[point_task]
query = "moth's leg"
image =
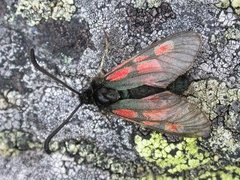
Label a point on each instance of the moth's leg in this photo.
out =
(100, 69)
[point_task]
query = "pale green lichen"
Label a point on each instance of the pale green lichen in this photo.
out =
(55, 146)
(72, 147)
(151, 176)
(187, 155)
(223, 140)
(173, 157)
(88, 153)
(36, 10)
(235, 4)
(207, 94)
(233, 33)
(223, 4)
(6, 148)
(9, 98)
(228, 172)
(13, 142)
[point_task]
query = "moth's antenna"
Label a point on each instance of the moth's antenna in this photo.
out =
(38, 67)
(55, 131)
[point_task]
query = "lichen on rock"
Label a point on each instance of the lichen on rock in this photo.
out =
(37, 10)
(235, 4)
(172, 157)
(221, 104)
(208, 94)
(12, 142)
(213, 97)
(91, 146)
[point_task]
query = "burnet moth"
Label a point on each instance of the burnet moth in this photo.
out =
(155, 67)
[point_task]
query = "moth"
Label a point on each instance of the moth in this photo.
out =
(155, 68)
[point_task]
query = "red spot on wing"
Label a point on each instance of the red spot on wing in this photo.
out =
(119, 74)
(163, 48)
(155, 115)
(149, 66)
(140, 58)
(173, 127)
(119, 66)
(127, 113)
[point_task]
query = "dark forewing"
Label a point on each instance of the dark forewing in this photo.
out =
(158, 65)
(164, 112)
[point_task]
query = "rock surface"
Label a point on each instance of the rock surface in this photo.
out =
(69, 40)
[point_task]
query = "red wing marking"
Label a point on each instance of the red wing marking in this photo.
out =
(140, 58)
(148, 67)
(119, 74)
(119, 66)
(155, 115)
(127, 113)
(173, 127)
(164, 48)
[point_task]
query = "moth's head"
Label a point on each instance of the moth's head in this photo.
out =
(86, 96)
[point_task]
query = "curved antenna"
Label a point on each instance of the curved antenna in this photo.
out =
(38, 67)
(56, 130)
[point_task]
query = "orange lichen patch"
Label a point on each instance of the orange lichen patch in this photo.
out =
(119, 74)
(127, 113)
(173, 127)
(140, 58)
(164, 48)
(149, 67)
(150, 123)
(155, 115)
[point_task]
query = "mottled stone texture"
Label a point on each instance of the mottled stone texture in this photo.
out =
(68, 37)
